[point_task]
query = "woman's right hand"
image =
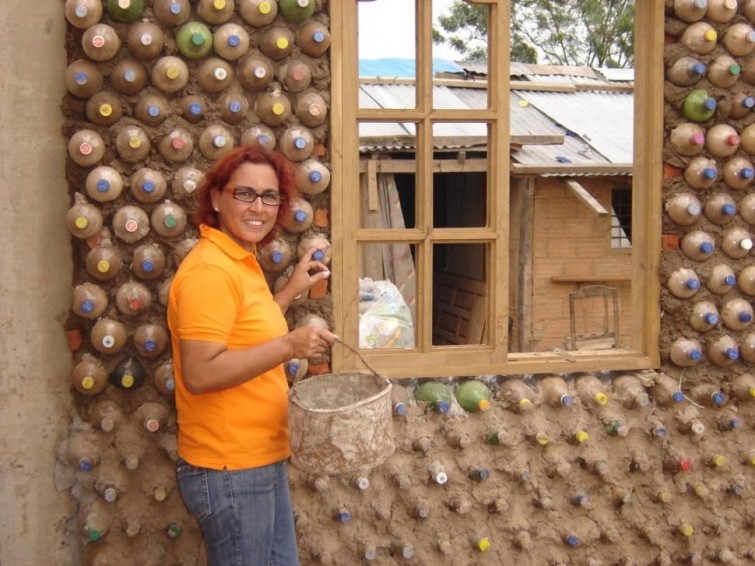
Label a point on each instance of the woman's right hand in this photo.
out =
(310, 342)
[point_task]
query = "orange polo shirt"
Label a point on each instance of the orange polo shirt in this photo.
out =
(219, 294)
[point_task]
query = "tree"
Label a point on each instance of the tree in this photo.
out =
(595, 33)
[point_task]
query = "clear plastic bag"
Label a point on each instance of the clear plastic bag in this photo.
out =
(385, 320)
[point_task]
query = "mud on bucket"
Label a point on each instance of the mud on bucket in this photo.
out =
(340, 423)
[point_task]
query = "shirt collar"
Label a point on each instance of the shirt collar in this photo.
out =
(224, 242)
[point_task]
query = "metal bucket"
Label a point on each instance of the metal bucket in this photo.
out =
(340, 423)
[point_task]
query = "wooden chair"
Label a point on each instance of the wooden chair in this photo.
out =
(605, 337)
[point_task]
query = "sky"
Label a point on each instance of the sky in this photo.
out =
(386, 29)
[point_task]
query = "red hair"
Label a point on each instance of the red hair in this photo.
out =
(223, 169)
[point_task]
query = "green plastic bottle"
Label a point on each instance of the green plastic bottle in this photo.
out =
(473, 395)
(194, 40)
(125, 11)
(698, 106)
(435, 394)
(296, 10)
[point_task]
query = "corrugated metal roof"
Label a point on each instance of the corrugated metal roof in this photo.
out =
(402, 68)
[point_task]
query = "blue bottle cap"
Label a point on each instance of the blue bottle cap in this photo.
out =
(150, 345)
(729, 209)
(699, 69)
(85, 465)
(745, 317)
(400, 409)
(80, 11)
(148, 265)
(567, 400)
(129, 76)
(734, 423)
(710, 104)
(442, 406)
(692, 283)
(175, 9)
(315, 176)
(300, 216)
(706, 248)
(344, 516)
(572, 540)
(695, 355)
(300, 143)
(524, 475)
(234, 40)
(710, 173)
(730, 280)
(153, 110)
(711, 318)
(677, 396)
(731, 354)
(483, 473)
(748, 101)
(148, 186)
(318, 36)
(87, 305)
(263, 139)
(103, 185)
(701, 4)
(170, 384)
(234, 106)
(718, 398)
(318, 255)
(195, 109)
(747, 172)
(293, 368)
(736, 489)
(660, 431)
(81, 78)
(276, 257)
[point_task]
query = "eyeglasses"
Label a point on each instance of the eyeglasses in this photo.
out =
(245, 194)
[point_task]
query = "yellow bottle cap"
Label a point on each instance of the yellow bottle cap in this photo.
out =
(664, 496)
(134, 142)
(264, 7)
(281, 43)
(161, 494)
(172, 72)
(103, 266)
(219, 4)
(541, 438)
(278, 108)
(752, 391)
(710, 35)
(106, 110)
(601, 398)
(718, 460)
(581, 436)
(483, 544)
(87, 382)
(701, 490)
(81, 222)
(752, 459)
(127, 380)
(687, 530)
(483, 405)
(524, 403)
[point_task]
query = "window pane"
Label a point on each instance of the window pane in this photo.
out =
(387, 178)
(459, 294)
(387, 295)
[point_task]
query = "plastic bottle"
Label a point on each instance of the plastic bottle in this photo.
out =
(145, 40)
(473, 395)
(698, 245)
(130, 224)
(83, 220)
(103, 184)
(747, 208)
(685, 352)
(83, 13)
(275, 255)
(261, 135)
(701, 173)
(215, 11)
(272, 108)
(94, 519)
(312, 177)
(86, 148)
(151, 415)
(151, 109)
(743, 387)
(165, 380)
(687, 139)
(722, 140)
(281, 282)
(170, 74)
(258, 13)
(313, 38)
(665, 391)
(106, 415)
(311, 109)
(168, 219)
(722, 11)
(708, 395)
(737, 313)
(100, 42)
(108, 336)
(590, 390)
(215, 74)
(294, 74)
(132, 144)
(630, 390)
(89, 301)
(128, 374)
(747, 137)
(171, 12)
(723, 351)
(296, 369)
(690, 10)
(320, 243)
(704, 316)
(148, 262)
(739, 39)
(746, 280)
(721, 279)
(741, 105)
(150, 340)
(234, 107)
(686, 71)
(297, 143)
(516, 395)
(148, 185)
(83, 78)
(215, 140)
(186, 181)
(699, 37)
(255, 72)
(435, 395)
(230, 41)
(738, 172)
(276, 42)
(128, 76)
(683, 283)
(296, 10)
(177, 146)
(125, 11)
(311, 319)
(299, 217)
(193, 107)
(88, 376)
(104, 108)
(555, 392)
(437, 472)
(736, 242)
(748, 9)
(724, 71)
(684, 208)
(103, 261)
(194, 40)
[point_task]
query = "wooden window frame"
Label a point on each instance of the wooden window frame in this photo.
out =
(426, 360)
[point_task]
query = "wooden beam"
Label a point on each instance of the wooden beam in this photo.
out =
(584, 195)
(572, 169)
(372, 188)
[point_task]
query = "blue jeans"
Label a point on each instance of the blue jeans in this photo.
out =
(246, 516)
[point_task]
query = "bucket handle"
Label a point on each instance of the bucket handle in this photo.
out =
(361, 358)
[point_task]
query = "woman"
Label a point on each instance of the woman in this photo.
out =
(230, 339)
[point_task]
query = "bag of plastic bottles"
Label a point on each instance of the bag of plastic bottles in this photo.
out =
(385, 320)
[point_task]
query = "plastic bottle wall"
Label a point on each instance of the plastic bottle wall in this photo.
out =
(657, 466)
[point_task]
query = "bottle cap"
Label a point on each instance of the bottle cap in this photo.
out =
(146, 39)
(170, 221)
(541, 438)
(484, 543)
(177, 142)
(98, 41)
(581, 436)
(149, 345)
(264, 7)
(175, 8)
(276, 257)
(110, 494)
(697, 428)
(108, 341)
(572, 540)
(706, 247)
(710, 35)
(319, 255)
(234, 106)
(710, 173)
(692, 283)
(103, 266)
(524, 404)
(151, 424)
(677, 396)
(87, 382)
(85, 148)
(106, 110)
(195, 109)
(134, 142)
(750, 37)
(729, 209)
(747, 173)
(483, 405)
(87, 305)
(315, 176)
(566, 400)
(302, 3)
(400, 409)
(440, 406)
(300, 216)
(687, 530)
(197, 39)
(148, 265)
(148, 186)
(745, 243)
(170, 384)
(127, 380)
(220, 73)
(297, 74)
(314, 109)
(729, 280)
(710, 318)
(263, 139)
(80, 11)
(600, 398)
(281, 43)
(81, 222)
(695, 355)
(219, 141)
(260, 72)
(278, 108)
(363, 482)
(699, 68)
(94, 534)
(697, 138)
(81, 78)
(745, 316)
(234, 40)
(318, 36)
(733, 139)
(129, 75)
(131, 225)
(124, 4)
(718, 460)
(160, 494)
(218, 4)
(701, 4)
(172, 72)
(710, 104)
(174, 531)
